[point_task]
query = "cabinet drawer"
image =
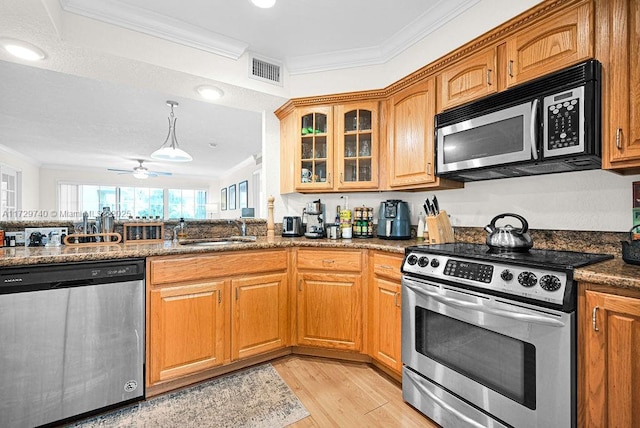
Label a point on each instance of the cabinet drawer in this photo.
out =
(387, 265)
(350, 261)
(169, 270)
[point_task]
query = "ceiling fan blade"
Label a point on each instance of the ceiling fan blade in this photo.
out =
(157, 173)
(120, 171)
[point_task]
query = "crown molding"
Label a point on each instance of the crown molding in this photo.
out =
(425, 24)
(157, 25)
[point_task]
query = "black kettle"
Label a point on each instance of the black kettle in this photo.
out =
(509, 238)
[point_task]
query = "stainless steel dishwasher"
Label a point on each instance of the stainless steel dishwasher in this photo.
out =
(71, 340)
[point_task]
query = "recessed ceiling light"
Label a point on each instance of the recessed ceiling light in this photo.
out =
(213, 145)
(265, 4)
(210, 92)
(22, 50)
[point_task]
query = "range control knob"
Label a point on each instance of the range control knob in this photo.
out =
(527, 279)
(435, 263)
(506, 275)
(550, 282)
(423, 261)
(412, 259)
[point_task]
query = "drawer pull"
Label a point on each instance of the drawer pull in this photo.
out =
(594, 318)
(326, 262)
(386, 267)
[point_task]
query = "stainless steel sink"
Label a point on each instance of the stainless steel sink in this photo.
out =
(214, 242)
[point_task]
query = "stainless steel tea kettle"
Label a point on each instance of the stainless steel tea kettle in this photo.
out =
(509, 237)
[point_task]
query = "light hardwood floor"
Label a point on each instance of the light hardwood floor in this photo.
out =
(346, 394)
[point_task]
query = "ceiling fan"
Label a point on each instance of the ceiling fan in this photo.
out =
(140, 171)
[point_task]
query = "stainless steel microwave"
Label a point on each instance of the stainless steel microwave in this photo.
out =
(549, 125)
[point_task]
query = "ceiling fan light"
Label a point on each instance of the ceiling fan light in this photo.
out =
(142, 174)
(169, 151)
(22, 50)
(265, 4)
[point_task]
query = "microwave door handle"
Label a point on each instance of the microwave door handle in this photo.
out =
(534, 128)
(483, 308)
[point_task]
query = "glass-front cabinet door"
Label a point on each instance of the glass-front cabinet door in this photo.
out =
(357, 146)
(315, 149)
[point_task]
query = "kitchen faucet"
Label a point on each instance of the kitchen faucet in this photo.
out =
(240, 224)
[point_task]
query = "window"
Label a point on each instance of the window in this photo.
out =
(10, 192)
(187, 203)
(74, 199)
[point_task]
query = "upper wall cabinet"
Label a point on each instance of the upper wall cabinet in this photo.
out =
(472, 78)
(330, 148)
(411, 140)
(619, 50)
(553, 43)
(356, 155)
(563, 39)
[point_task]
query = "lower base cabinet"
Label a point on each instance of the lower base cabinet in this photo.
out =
(259, 314)
(385, 310)
(187, 333)
(610, 366)
(212, 309)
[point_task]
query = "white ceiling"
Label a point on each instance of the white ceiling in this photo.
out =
(72, 110)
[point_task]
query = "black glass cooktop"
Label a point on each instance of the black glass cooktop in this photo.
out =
(534, 257)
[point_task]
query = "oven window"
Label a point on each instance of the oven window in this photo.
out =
(502, 363)
(493, 139)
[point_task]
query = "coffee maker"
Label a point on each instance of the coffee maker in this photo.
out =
(314, 213)
(394, 221)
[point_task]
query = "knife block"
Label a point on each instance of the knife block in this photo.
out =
(440, 230)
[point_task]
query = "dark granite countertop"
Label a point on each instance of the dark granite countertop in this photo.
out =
(614, 273)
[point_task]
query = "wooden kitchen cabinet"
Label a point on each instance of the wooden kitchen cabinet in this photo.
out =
(259, 314)
(618, 50)
(329, 298)
(467, 80)
(187, 333)
(411, 140)
(385, 326)
(211, 309)
(610, 342)
(562, 39)
(356, 154)
(330, 148)
(314, 149)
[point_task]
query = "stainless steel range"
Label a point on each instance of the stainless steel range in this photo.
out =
(489, 337)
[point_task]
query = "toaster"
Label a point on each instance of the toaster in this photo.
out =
(292, 226)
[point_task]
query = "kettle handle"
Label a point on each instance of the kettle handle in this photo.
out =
(523, 229)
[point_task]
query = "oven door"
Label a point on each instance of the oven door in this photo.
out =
(498, 138)
(512, 361)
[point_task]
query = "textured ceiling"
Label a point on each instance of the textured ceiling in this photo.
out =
(90, 106)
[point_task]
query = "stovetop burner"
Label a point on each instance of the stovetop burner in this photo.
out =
(541, 277)
(550, 259)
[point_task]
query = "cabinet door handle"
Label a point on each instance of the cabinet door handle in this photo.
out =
(594, 318)
(428, 168)
(329, 178)
(395, 299)
(219, 296)
(299, 285)
(341, 179)
(237, 293)
(619, 138)
(510, 68)
(489, 76)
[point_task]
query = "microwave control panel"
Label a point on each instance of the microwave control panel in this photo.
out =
(564, 123)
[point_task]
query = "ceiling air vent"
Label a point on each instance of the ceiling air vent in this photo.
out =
(268, 71)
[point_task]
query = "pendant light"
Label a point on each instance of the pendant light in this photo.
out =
(170, 150)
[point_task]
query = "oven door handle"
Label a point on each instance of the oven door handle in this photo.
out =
(443, 404)
(539, 319)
